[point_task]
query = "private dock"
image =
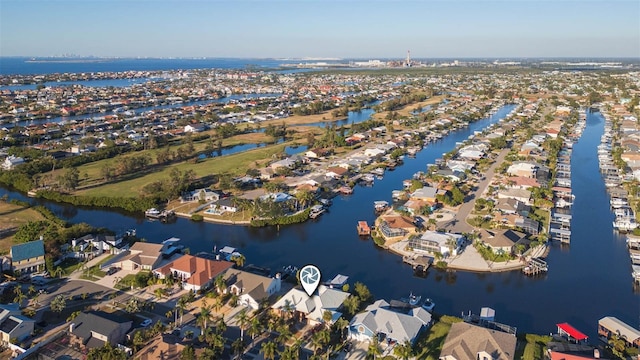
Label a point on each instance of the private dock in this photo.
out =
(363, 228)
(535, 266)
(418, 262)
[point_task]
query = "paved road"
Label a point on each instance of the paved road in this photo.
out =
(459, 223)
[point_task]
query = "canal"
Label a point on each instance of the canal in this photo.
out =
(588, 280)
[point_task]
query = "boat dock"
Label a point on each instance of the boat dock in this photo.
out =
(363, 228)
(418, 262)
(535, 266)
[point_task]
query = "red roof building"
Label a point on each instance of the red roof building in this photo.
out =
(571, 332)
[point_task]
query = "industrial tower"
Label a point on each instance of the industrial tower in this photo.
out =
(408, 61)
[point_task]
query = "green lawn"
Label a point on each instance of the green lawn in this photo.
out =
(534, 347)
(236, 164)
(430, 344)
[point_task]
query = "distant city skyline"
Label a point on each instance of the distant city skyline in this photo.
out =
(322, 29)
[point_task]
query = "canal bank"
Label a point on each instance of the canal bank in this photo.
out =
(587, 281)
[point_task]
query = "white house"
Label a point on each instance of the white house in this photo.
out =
(10, 162)
(312, 308)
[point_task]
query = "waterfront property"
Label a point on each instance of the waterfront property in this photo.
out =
(502, 241)
(395, 325)
(432, 242)
(251, 289)
(471, 342)
(298, 304)
(142, 256)
(609, 327)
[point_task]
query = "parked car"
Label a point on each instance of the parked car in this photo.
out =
(112, 270)
(146, 323)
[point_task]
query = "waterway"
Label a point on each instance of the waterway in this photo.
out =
(588, 280)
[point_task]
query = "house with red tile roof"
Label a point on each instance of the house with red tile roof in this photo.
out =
(194, 272)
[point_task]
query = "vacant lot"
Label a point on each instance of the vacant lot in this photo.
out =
(11, 217)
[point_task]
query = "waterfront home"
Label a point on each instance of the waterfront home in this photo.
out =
(523, 196)
(251, 289)
(527, 225)
(200, 194)
(470, 342)
(14, 325)
(318, 153)
(10, 162)
(610, 326)
(395, 226)
(512, 206)
(27, 257)
(94, 329)
(298, 304)
(500, 240)
(521, 182)
(336, 172)
(224, 205)
(380, 318)
(433, 242)
(194, 272)
(142, 256)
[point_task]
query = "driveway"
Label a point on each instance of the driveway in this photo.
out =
(459, 223)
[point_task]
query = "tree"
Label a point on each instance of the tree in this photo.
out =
(132, 306)
(221, 326)
(255, 328)
(204, 317)
(107, 352)
(238, 347)
(242, 320)
(181, 306)
(362, 291)
(57, 272)
(69, 179)
(326, 317)
(320, 340)
(58, 304)
(404, 350)
(352, 304)
(268, 350)
(239, 260)
(374, 349)
(188, 353)
(340, 325)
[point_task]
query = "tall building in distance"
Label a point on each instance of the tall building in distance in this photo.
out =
(408, 61)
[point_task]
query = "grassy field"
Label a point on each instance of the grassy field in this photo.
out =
(406, 111)
(534, 347)
(235, 164)
(11, 217)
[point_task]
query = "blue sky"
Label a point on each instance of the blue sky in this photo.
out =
(328, 28)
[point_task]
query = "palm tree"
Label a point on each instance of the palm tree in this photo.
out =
(238, 347)
(255, 328)
(181, 306)
(239, 260)
(268, 350)
(19, 298)
(374, 348)
(284, 334)
(242, 320)
(221, 326)
(220, 284)
(404, 350)
(31, 290)
(204, 317)
(159, 292)
(320, 340)
(57, 272)
(287, 309)
(304, 197)
(340, 325)
(217, 304)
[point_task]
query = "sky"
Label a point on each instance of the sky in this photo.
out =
(321, 29)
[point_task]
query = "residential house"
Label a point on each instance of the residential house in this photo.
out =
(142, 256)
(500, 240)
(318, 153)
(521, 182)
(396, 225)
(200, 194)
(10, 162)
(381, 318)
(163, 346)
(523, 196)
(470, 342)
(301, 306)
(224, 205)
(528, 225)
(251, 288)
(437, 242)
(425, 193)
(336, 172)
(523, 169)
(27, 257)
(96, 328)
(610, 326)
(14, 325)
(194, 272)
(512, 206)
(195, 128)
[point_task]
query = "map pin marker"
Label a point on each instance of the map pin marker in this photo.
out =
(310, 278)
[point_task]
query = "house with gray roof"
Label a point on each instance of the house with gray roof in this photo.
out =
(470, 342)
(96, 328)
(14, 325)
(28, 257)
(396, 325)
(312, 308)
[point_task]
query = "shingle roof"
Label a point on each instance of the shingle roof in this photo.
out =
(97, 321)
(27, 250)
(465, 341)
(395, 325)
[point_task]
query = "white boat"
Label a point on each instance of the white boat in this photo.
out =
(153, 212)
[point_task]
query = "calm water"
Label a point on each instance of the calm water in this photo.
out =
(116, 83)
(587, 280)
